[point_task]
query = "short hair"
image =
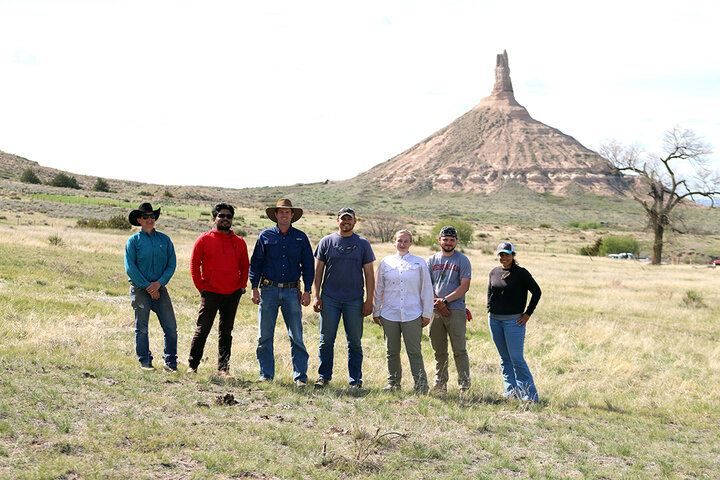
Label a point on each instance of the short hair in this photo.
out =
(222, 206)
(400, 232)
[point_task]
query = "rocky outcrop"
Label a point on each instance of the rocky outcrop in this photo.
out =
(494, 143)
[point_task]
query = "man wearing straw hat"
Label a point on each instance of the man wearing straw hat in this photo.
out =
(150, 263)
(282, 254)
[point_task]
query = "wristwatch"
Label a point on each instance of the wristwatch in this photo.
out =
(446, 302)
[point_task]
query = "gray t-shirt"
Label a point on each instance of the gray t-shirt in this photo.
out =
(446, 273)
(344, 258)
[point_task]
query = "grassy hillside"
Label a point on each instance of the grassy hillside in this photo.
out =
(625, 357)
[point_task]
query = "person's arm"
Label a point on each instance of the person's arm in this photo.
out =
(535, 291)
(317, 282)
(170, 264)
(243, 264)
(378, 295)
(195, 265)
(131, 267)
(461, 290)
(307, 266)
(369, 287)
(426, 295)
(255, 272)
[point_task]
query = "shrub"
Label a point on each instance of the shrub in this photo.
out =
(118, 222)
(56, 241)
(464, 230)
(619, 244)
(65, 181)
(144, 193)
(29, 176)
(693, 299)
(101, 185)
(592, 250)
(168, 194)
(585, 225)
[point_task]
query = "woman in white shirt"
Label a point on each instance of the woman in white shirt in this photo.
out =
(403, 305)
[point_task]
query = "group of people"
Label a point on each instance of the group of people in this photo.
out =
(406, 294)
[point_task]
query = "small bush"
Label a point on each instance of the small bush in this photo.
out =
(118, 222)
(56, 241)
(693, 299)
(64, 181)
(101, 185)
(29, 176)
(168, 194)
(144, 193)
(592, 250)
(585, 225)
(619, 244)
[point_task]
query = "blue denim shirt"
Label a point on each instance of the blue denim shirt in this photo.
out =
(282, 258)
(149, 258)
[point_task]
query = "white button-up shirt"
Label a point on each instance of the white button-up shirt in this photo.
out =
(403, 291)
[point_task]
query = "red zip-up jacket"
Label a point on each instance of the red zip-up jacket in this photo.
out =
(219, 262)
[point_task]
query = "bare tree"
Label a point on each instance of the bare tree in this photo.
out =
(659, 184)
(383, 226)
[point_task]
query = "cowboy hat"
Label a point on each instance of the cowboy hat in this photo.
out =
(143, 208)
(284, 203)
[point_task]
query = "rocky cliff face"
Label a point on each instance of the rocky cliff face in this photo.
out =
(494, 143)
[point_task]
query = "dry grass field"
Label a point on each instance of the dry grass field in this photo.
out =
(626, 357)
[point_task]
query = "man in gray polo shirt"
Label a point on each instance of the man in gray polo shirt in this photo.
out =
(450, 275)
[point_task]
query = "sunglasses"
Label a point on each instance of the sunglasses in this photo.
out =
(225, 215)
(145, 216)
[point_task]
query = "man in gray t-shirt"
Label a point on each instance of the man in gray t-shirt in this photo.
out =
(450, 273)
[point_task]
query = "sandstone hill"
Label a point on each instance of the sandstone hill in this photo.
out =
(495, 143)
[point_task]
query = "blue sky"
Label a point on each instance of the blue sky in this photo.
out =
(241, 94)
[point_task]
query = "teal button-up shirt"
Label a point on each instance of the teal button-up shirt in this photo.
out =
(149, 258)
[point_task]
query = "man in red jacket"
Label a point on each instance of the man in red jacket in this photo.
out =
(219, 265)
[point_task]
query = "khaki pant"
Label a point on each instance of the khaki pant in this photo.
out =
(453, 327)
(412, 334)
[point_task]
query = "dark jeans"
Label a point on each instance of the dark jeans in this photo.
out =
(210, 303)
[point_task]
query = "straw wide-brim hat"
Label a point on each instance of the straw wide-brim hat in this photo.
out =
(284, 203)
(143, 208)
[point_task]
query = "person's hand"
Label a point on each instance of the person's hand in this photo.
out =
(155, 295)
(523, 319)
(425, 321)
(305, 299)
(377, 320)
(317, 306)
(367, 308)
(255, 296)
(441, 307)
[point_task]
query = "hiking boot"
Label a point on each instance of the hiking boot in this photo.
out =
(147, 367)
(321, 383)
(390, 388)
(223, 373)
(355, 386)
(264, 379)
(439, 389)
(300, 384)
(192, 370)
(170, 369)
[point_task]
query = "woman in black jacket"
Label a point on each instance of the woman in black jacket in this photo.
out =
(507, 315)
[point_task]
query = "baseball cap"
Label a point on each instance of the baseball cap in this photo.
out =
(346, 211)
(448, 231)
(505, 247)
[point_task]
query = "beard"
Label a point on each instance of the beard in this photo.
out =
(447, 249)
(223, 226)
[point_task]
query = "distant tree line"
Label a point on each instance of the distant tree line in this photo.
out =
(63, 180)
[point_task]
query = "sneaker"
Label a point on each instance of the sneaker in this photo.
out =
(192, 370)
(170, 369)
(223, 373)
(147, 367)
(390, 388)
(264, 379)
(300, 384)
(355, 386)
(321, 383)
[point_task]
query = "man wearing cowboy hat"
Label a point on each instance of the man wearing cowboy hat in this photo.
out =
(150, 263)
(281, 256)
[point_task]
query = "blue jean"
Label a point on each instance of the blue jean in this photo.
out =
(272, 298)
(509, 338)
(352, 316)
(143, 304)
